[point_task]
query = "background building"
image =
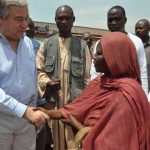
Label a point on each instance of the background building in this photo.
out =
(42, 28)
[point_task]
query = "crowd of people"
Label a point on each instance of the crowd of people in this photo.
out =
(67, 93)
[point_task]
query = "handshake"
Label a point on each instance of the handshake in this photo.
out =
(36, 116)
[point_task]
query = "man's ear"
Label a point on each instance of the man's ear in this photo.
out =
(125, 19)
(73, 19)
(149, 27)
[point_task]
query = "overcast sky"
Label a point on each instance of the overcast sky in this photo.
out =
(90, 13)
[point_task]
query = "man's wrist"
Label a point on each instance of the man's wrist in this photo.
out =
(25, 113)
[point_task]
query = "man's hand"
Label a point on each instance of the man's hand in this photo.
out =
(54, 83)
(38, 118)
(42, 109)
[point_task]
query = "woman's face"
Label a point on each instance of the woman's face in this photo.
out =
(99, 60)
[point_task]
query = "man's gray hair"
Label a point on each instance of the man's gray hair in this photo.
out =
(5, 4)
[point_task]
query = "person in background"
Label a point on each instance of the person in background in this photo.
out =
(116, 20)
(30, 31)
(87, 36)
(142, 28)
(18, 84)
(63, 64)
(112, 112)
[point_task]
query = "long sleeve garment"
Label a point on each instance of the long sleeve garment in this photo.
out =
(117, 112)
(64, 45)
(63, 136)
(18, 82)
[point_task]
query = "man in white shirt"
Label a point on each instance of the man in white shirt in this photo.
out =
(116, 20)
(142, 29)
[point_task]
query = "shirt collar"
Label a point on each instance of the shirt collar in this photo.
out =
(4, 40)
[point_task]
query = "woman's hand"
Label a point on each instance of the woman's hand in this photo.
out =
(73, 122)
(53, 114)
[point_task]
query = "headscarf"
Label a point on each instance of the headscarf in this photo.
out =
(120, 55)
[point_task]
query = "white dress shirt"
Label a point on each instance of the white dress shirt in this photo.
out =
(18, 82)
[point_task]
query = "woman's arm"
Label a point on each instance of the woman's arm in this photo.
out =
(73, 122)
(53, 114)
